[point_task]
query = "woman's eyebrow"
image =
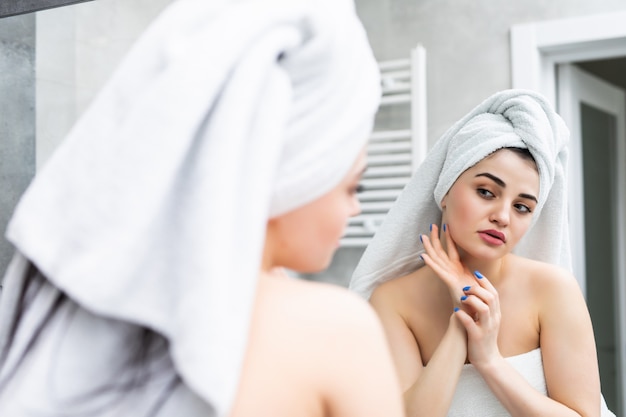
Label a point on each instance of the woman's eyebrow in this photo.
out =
(493, 178)
(503, 185)
(529, 196)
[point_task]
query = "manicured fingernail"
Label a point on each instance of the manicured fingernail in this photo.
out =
(456, 309)
(421, 240)
(463, 298)
(431, 227)
(478, 275)
(444, 227)
(466, 288)
(421, 257)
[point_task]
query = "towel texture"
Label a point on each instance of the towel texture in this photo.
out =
(510, 118)
(473, 398)
(224, 114)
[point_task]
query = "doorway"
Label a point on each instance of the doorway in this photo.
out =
(594, 110)
(555, 58)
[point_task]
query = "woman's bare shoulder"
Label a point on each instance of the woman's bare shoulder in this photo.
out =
(402, 287)
(327, 305)
(543, 276)
(314, 340)
(330, 337)
(299, 318)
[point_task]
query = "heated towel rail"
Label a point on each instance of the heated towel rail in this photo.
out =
(397, 145)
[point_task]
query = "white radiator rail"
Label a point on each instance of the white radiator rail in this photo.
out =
(393, 154)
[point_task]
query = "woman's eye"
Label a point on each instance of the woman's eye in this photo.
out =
(522, 208)
(356, 189)
(484, 193)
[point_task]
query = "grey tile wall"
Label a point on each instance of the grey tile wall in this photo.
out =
(17, 118)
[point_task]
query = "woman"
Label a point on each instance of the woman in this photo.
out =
(469, 273)
(147, 280)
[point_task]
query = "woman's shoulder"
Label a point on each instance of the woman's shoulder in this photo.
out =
(329, 330)
(543, 276)
(323, 308)
(405, 287)
(309, 337)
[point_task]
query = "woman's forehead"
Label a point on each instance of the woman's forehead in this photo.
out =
(508, 164)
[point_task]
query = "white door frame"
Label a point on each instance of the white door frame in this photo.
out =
(536, 50)
(603, 96)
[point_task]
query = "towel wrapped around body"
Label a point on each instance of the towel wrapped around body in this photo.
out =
(473, 398)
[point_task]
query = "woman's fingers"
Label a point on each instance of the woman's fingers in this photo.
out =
(466, 320)
(448, 267)
(480, 315)
(482, 302)
(453, 253)
(484, 290)
(434, 249)
(435, 252)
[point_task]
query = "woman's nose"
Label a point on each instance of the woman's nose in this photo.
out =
(355, 207)
(500, 215)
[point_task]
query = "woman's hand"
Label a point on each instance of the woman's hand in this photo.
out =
(447, 263)
(480, 315)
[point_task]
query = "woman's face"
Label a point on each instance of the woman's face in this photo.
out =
(306, 238)
(490, 206)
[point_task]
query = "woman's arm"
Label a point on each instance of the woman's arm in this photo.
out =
(567, 347)
(428, 390)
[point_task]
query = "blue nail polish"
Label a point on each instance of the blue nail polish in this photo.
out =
(421, 240)
(444, 227)
(463, 298)
(466, 288)
(421, 257)
(431, 227)
(478, 275)
(456, 309)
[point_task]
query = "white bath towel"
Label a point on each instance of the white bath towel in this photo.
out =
(473, 398)
(225, 113)
(510, 118)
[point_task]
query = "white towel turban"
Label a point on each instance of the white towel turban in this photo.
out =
(510, 118)
(223, 114)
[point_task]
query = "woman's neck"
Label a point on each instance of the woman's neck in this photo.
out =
(492, 269)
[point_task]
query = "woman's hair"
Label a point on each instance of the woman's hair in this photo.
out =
(145, 358)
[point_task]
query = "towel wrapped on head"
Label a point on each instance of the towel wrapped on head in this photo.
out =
(510, 118)
(224, 114)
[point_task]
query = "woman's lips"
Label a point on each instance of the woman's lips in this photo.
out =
(493, 237)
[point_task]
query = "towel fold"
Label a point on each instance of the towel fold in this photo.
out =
(224, 114)
(510, 118)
